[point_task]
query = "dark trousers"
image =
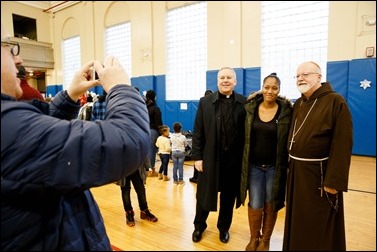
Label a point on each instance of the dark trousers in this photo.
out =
(224, 220)
(164, 163)
(138, 184)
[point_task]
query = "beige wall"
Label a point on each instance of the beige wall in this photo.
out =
(43, 20)
(346, 39)
(233, 31)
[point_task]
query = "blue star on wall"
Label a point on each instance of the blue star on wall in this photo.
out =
(365, 84)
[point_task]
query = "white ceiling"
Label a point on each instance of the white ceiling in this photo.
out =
(38, 4)
(49, 6)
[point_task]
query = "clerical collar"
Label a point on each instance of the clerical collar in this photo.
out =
(225, 96)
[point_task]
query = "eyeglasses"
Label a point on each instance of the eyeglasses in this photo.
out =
(304, 75)
(14, 47)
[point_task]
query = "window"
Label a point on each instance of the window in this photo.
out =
(71, 59)
(293, 32)
(186, 52)
(118, 44)
(24, 27)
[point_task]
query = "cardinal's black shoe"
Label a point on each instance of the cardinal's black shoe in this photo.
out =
(193, 180)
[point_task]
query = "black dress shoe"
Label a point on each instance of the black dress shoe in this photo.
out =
(193, 180)
(197, 235)
(224, 236)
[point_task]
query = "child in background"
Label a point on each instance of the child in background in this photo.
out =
(164, 149)
(138, 179)
(178, 144)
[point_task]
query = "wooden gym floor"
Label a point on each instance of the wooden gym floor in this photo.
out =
(174, 206)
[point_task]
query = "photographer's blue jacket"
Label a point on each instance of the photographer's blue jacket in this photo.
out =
(50, 160)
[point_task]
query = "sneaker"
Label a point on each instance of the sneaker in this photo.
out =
(147, 215)
(175, 182)
(130, 218)
(181, 182)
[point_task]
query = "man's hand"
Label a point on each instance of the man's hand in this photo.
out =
(199, 165)
(330, 190)
(80, 83)
(111, 73)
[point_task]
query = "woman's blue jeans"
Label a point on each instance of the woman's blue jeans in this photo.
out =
(178, 158)
(261, 180)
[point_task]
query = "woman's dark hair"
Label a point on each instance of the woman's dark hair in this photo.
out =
(102, 97)
(272, 75)
(150, 95)
(207, 92)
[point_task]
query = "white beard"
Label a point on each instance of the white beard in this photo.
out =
(304, 88)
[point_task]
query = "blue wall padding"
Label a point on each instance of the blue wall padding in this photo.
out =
(362, 103)
(53, 89)
(50, 90)
(144, 83)
(171, 110)
(176, 114)
(240, 87)
(211, 80)
(337, 75)
(59, 88)
(97, 89)
(193, 108)
(252, 80)
(189, 117)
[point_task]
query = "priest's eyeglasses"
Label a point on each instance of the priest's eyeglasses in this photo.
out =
(304, 75)
(14, 47)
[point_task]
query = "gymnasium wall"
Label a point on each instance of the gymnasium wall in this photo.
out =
(346, 78)
(233, 40)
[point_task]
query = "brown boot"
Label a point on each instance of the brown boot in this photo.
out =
(255, 223)
(269, 220)
(166, 178)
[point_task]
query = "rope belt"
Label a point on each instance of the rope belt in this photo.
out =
(334, 204)
(309, 159)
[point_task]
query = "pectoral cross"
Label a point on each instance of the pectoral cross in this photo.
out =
(290, 146)
(294, 132)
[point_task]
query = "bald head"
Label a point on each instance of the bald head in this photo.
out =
(310, 65)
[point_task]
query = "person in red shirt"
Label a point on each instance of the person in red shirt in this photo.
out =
(29, 92)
